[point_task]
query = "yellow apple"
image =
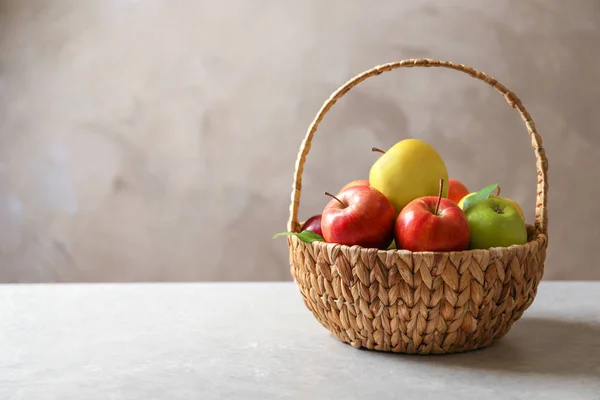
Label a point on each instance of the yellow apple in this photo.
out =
(410, 169)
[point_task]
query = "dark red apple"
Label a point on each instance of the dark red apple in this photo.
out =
(360, 215)
(432, 224)
(360, 182)
(456, 190)
(313, 224)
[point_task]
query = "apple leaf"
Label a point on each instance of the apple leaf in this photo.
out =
(305, 236)
(481, 195)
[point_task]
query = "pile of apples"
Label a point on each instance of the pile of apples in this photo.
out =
(409, 203)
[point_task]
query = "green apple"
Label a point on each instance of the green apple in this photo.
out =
(509, 201)
(410, 169)
(495, 222)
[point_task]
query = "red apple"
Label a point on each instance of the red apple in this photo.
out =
(360, 182)
(432, 224)
(456, 190)
(360, 215)
(313, 224)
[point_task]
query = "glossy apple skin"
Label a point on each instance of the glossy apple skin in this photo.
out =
(419, 229)
(313, 224)
(494, 222)
(408, 170)
(366, 220)
(493, 196)
(456, 190)
(360, 182)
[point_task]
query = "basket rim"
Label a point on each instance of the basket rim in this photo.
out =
(539, 237)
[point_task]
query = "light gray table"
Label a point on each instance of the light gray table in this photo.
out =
(257, 341)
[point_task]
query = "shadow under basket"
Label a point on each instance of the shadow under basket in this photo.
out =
(419, 302)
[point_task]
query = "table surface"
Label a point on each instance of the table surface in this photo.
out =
(258, 341)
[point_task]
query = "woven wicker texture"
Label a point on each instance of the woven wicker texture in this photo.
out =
(419, 303)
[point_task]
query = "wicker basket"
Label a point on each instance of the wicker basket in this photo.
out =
(419, 302)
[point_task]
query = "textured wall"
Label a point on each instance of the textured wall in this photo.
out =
(156, 140)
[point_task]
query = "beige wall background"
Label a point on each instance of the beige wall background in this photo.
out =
(156, 140)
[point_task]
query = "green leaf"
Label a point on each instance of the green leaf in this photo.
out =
(305, 236)
(481, 195)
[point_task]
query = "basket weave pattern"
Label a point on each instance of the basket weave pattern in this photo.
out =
(419, 302)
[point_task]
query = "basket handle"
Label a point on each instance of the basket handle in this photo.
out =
(541, 218)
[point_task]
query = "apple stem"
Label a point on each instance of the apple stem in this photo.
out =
(437, 206)
(378, 150)
(332, 196)
(498, 192)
